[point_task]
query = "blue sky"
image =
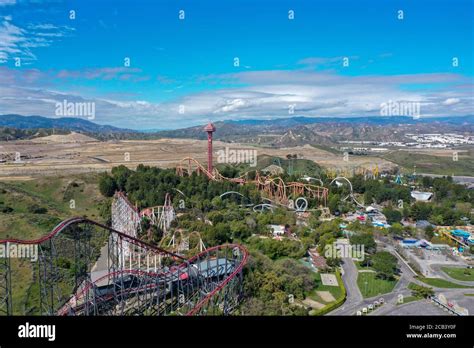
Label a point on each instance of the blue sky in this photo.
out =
(182, 72)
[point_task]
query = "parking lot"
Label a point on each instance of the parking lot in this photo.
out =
(418, 308)
(424, 258)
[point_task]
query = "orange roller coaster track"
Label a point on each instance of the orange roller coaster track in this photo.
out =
(273, 188)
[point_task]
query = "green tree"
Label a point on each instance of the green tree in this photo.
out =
(217, 203)
(385, 264)
(239, 230)
(326, 239)
(333, 204)
(422, 291)
(429, 232)
(107, 185)
(420, 210)
(396, 228)
(392, 215)
(365, 239)
(121, 175)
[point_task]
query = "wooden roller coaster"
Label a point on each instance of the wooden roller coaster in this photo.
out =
(162, 215)
(180, 242)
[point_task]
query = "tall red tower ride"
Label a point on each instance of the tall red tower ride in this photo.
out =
(209, 129)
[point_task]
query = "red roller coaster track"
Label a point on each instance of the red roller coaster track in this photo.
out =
(208, 283)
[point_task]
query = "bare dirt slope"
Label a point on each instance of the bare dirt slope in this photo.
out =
(73, 137)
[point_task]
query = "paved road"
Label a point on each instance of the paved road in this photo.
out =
(356, 302)
(416, 308)
(354, 296)
(459, 296)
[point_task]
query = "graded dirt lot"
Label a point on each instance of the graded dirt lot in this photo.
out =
(64, 138)
(75, 153)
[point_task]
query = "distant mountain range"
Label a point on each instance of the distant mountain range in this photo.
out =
(68, 123)
(301, 120)
(278, 132)
(325, 130)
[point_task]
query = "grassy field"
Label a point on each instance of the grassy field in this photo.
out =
(465, 274)
(441, 283)
(363, 268)
(427, 163)
(374, 286)
(327, 148)
(32, 208)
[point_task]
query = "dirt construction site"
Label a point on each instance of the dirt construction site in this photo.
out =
(76, 153)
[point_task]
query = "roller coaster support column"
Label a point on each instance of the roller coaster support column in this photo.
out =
(5, 284)
(209, 129)
(48, 276)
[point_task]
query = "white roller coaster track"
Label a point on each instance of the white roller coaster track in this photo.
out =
(351, 194)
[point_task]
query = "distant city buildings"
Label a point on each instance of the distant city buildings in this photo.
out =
(418, 141)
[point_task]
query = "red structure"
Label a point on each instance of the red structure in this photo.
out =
(138, 278)
(210, 128)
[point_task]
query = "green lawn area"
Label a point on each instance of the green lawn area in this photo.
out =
(363, 268)
(441, 283)
(374, 286)
(468, 294)
(459, 273)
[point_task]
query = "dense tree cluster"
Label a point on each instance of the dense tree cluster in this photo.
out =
(269, 287)
(379, 191)
(276, 249)
(385, 264)
(365, 239)
(421, 291)
(147, 186)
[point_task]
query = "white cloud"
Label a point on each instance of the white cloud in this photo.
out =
(17, 42)
(451, 101)
(7, 2)
(231, 105)
(325, 62)
(266, 94)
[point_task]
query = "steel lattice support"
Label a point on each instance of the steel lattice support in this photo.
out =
(82, 260)
(48, 278)
(137, 278)
(5, 285)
